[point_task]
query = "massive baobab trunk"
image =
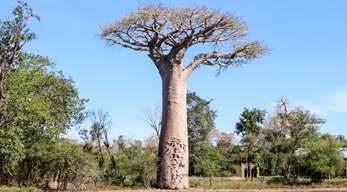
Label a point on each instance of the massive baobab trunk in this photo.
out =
(173, 144)
(166, 33)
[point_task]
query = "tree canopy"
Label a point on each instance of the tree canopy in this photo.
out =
(14, 34)
(167, 32)
(39, 103)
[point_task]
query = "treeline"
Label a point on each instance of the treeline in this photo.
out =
(284, 142)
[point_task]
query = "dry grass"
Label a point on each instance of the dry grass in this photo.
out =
(263, 183)
(225, 183)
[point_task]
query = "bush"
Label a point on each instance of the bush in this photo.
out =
(20, 189)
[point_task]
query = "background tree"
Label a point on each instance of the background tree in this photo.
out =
(276, 133)
(166, 33)
(200, 120)
(100, 128)
(289, 129)
(321, 158)
(13, 35)
(96, 132)
(135, 163)
(40, 105)
(303, 129)
(249, 128)
(153, 119)
(225, 144)
(341, 140)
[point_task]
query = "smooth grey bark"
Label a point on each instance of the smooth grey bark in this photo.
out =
(173, 144)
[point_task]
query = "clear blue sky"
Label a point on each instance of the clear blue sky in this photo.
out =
(308, 64)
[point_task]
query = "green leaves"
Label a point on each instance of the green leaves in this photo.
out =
(13, 35)
(200, 118)
(320, 159)
(135, 162)
(40, 98)
(204, 160)
(203, 157)
(39, 106)
(250, 121)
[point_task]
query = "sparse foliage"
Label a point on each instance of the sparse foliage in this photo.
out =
(168, 31)
(153, 119)
(223, 141)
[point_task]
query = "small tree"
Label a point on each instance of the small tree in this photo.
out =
(166, 34)
(249, 128)
(287, 130)
(223, 141)
(153, 119)
(101, 125)
(321, 158)
(13, 35)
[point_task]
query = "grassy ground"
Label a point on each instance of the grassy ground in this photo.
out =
(263, 183)
(20, 189)
(225, 183)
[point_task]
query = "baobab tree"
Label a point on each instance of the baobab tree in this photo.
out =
(166, 33)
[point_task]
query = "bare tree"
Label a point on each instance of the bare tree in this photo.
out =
(278, 124)
(166, 33)
(96, 133)
(153, 119)
(101, 124)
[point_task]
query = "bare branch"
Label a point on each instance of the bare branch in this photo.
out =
(153, 119)
(167, 32)
(242, 54)
(127, 46)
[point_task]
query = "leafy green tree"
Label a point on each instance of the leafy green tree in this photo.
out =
(225, 144)
(166, 33)
(63, 161)
(289, 129)
(249, 127)
(200, 119)
(13, 35)
(320, 159)
(250, 121)
(341, 140)
(40, 104)
(303, 129)
(204, 160)
(11, 152)
(136, 164)
(40, 98)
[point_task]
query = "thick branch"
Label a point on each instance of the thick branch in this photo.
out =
(128, 46)
(203, 58)
(168, 32)
(242, 54)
